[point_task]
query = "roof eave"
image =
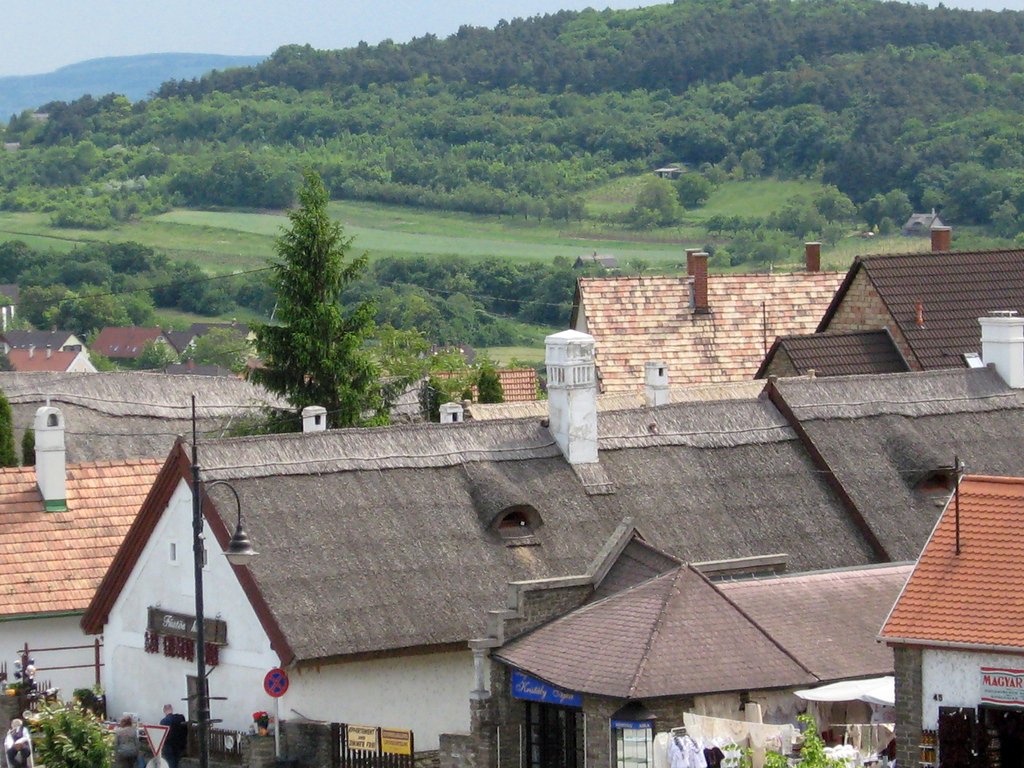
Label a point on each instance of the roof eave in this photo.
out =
(950, 645)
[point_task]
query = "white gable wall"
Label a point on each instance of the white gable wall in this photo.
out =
(952, 678)
(51, 632)
(428, 693)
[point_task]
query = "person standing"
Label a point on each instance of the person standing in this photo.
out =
(18, 745)
(177, 736)
(126, 743)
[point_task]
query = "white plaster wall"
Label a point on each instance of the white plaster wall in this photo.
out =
(427, 693)
(956, 676)
(141, 682)
(82, 364)
(56, 632)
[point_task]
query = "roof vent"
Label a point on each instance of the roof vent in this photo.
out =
(451, 413)
(51, 459)
(314, 418)
(1002, 345)
(656, 382)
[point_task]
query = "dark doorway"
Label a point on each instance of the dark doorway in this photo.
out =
(1005, 736)
(554, 736)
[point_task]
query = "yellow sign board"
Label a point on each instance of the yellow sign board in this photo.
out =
(395, 741)
(362, 737)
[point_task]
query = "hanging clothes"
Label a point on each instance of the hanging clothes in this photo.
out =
(683, 752)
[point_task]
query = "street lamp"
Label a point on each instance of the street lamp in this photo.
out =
(239, 552)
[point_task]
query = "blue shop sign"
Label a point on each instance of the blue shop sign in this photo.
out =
(631, 725)
(532, 689)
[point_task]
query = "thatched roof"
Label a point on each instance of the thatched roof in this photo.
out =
(888, 438)
(130, 414)
(399, 522)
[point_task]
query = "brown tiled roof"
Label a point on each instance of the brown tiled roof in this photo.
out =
(637, 319)
(827, 619)
(955, 288)
(53, 561)
(124, 342)
(518, 385)
(847, 353)
(976, 597)
(38, 360)
(671, 635)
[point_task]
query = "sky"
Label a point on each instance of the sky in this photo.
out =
(38, 36)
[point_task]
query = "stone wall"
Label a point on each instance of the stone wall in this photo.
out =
(862, 309)
(908, 705)
(781, 365)
(539, 606)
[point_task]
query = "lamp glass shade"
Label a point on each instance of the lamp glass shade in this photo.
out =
(240, 551)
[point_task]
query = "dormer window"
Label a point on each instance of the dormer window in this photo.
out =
(939, 481)
(516, 525)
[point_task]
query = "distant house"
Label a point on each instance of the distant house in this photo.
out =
(705, 328)
(59, 361)
(126, 343)
(920, 224)
(180, 340)
(600, 259)
(928, 302)
(518, 385)
(668, 172)
(55, 340)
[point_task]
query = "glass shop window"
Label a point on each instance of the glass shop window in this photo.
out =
(634, 747)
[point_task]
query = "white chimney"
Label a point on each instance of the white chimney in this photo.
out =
(572, 394)
(1002, 345)
(656, 382)
(314, 418)
(50, 458)
(451, 413)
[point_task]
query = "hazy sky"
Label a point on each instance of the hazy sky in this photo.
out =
(41, 35)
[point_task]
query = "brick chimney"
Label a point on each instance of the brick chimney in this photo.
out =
(314, 418)
(656, 382)
(31, 351)
(1002, 345)
(572, 395)
(812, 256)
(51, 459)
(699, 293)
(942, 239)
(451, 413)
(689, 260)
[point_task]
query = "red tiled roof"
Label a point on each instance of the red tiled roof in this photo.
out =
(53, 561)
(954, 289)
(518, 385)
(126, 342)
(976, 597)
(38, 360)
(637, 319)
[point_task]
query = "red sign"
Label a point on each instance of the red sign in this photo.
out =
(276, 682)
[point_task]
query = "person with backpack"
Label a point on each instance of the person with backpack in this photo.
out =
(126, 743)
(177, 736)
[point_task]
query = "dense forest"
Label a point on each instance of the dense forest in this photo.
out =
(874, 98)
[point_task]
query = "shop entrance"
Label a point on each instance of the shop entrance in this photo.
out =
(1004, 732)
(554, 736)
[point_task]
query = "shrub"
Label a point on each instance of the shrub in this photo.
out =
(70, 737)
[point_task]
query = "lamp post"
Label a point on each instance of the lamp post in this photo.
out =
(239, 552)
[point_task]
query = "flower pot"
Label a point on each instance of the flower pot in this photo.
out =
(263, 731)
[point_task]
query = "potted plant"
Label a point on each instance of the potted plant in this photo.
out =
(262, 721)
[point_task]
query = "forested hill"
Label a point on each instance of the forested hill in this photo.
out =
(524, 119)
(661, 47)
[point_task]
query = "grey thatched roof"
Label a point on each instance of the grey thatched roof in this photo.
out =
(131, 414)
(395, 524)
(887, 438)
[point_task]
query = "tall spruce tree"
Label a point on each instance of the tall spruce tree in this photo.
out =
(317, 354)
(488, 385)
(8, 458)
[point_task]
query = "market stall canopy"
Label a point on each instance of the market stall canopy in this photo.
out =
(874, 690)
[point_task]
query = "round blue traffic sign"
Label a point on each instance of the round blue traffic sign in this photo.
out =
(276, 682)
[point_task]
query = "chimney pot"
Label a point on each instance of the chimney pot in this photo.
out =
(451, 413)
(572, 395)
(812, 256)
(942, 239)
(919, 314)
(51, 459)
(314, 418)
(1002, 345)
(700, 283)
(656, 382)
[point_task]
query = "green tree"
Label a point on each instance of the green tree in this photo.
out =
(488, 385)
(8, 458)
(155, 356)
(317, 355)
(5, 362)
(28, 448)
(70, 737)
(223, 347)
(657, 204)
(693, 189)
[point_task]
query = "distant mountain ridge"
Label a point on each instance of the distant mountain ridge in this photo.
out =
(133, 76)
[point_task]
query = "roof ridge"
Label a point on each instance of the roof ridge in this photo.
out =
(673, 589)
